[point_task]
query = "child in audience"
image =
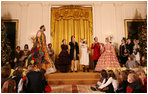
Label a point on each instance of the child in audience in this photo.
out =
(124, 82)
(34, 81)
(102, 80)
(143, 79)
(20, 69)
(130, 64)
(29, 68)
(134, 85)
(5, 73)
(9, 86)
(17, 77)
(111, 83)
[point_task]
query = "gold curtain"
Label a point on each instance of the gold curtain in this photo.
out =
(71, 20)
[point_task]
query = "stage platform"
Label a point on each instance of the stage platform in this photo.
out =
(78, 78)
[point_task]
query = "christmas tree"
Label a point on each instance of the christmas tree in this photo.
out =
(142, 35)
(5, 47)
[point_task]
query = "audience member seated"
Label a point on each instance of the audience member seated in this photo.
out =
(29, 68)
(9, 86)
(130, 64)
(17, 77)
(111, 84)
(5, 73)
(134, 85)
(102, 80)
(124, 82)
(34, 82)
(143, 80)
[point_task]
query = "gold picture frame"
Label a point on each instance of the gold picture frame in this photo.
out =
(16, 27)
(128, 22)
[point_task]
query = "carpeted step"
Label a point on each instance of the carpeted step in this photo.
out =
(86, 78)
(72, 81)
(74, 76)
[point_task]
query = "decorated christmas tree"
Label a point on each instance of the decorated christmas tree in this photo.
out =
(142, 35)
(5, 47)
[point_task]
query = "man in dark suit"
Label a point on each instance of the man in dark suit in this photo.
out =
(74, 54)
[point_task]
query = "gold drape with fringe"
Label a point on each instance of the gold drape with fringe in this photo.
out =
(71, 20)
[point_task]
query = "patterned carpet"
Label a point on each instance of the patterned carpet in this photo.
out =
(72, 89)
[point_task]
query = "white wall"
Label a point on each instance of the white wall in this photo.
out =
(108, 17)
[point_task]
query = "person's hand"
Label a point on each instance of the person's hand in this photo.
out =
(15, 60)
(7, 62)
(78, 55)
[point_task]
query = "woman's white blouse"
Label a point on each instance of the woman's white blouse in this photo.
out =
(109, 81)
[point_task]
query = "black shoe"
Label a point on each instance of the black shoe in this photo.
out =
(83, 69)
(93, 89)
(97, 85)
(87, 69)
(71, 71)
(76, 71)
(98, 89)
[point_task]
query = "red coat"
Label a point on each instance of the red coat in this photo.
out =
(96, 53)
(129, 89)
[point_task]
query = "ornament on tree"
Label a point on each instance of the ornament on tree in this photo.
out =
(5, 47)
(142, 35)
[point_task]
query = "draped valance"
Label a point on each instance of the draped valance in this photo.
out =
(70, 12)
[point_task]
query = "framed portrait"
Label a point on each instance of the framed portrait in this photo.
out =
(12, 31)
(132, 27)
